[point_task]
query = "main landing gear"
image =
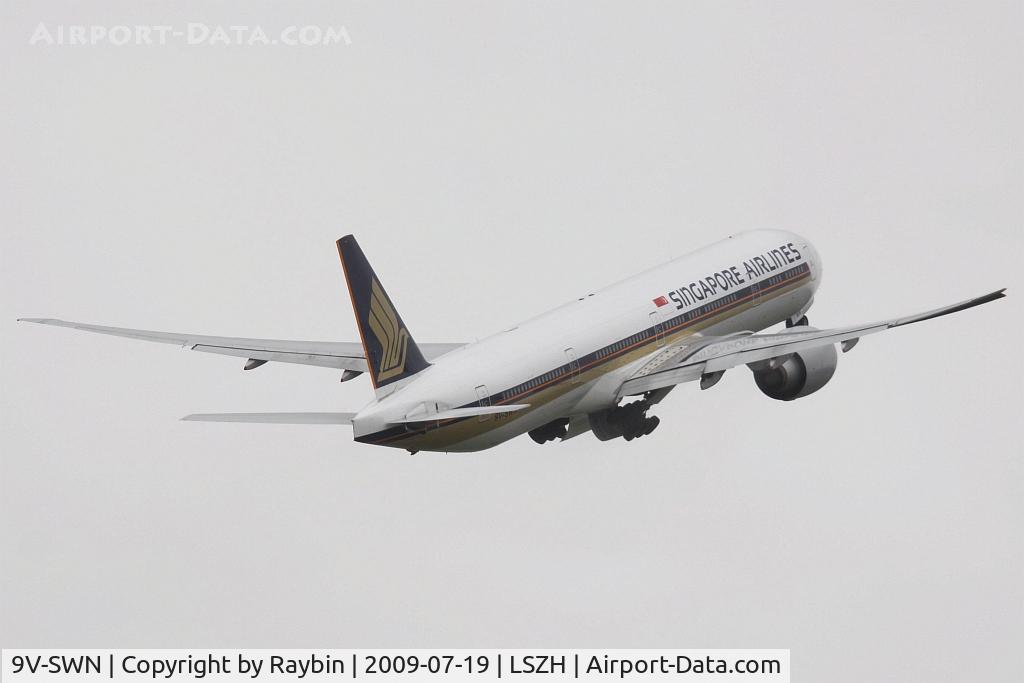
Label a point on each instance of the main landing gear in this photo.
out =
(629, 421)
(556, 429)
(635, 421)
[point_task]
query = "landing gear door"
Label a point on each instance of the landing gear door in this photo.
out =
(574, 364)
(484, 398)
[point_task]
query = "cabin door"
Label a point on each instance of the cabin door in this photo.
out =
(574, 365)
(484, 398)
(659, 330)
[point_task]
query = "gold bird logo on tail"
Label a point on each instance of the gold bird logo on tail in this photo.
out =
(392, 337)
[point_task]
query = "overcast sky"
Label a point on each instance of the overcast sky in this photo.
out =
(495, 160)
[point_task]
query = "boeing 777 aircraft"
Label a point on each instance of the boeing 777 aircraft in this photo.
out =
(569, 371)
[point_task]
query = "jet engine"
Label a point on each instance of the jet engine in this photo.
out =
(797, 374)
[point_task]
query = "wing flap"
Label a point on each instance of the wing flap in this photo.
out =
(282, 355)
(661, 379)
(341, 355)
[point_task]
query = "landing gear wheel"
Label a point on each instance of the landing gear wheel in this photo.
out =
(650, 424)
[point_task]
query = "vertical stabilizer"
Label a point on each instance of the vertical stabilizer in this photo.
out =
(391, 352)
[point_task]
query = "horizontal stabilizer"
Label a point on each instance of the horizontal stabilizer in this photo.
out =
(275, 418)
(456, 413)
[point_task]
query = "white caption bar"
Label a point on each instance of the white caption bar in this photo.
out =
(720, 666)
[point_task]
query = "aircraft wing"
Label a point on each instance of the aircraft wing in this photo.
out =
(275, 418)
(698, 356)
(342, 355)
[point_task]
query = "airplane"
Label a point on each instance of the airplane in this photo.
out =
(598, 363)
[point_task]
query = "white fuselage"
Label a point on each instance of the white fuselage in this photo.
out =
(572, 360)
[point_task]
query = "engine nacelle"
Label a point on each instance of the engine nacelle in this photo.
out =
(799, 374)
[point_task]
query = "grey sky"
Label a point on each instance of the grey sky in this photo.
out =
(495, 160)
